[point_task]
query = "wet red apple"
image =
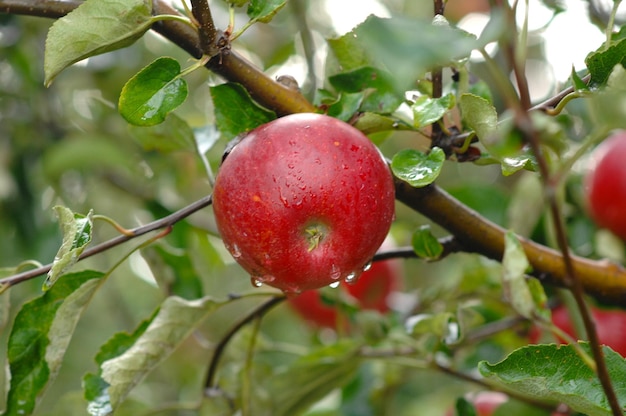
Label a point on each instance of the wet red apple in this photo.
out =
(610, 326)
(303, 202)
(605, 184)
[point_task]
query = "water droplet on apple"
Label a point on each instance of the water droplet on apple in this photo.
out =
(335, 273)
(334, 285)
(352, 278)
(267, 278)
(256, 281)
(367, 266)
(235, 251)
(292, 291)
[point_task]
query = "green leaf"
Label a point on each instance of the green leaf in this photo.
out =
(557, 373)
(427, 110)
(176, 320)
(464, 407)
(94, 386)
(607, 106)
(479, 115)
(152, 93)
(346, 106)
(577, 82)
(237, 3)
(173, 270)
(350, 52)
(264, 10)
(410, 47)
(443, 325)
(77, 231)
(172, 135)
(40, 336)
(425, 244)
(235, 112)
(601, 62)
(94, 27)
(416, 168)
(312, 377)
(370, 123)
(503, 140)
(514, 268)
(381, 95)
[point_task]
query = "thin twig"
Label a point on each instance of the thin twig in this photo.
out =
(221, 346)
(207, 32)
(164, 222)
(480, 382)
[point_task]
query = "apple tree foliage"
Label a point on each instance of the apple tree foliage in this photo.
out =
(490, 227)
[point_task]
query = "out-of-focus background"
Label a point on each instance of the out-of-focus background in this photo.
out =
(68, 145)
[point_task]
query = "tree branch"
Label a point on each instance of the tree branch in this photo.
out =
(601, 279)
(231, 66)
(207, 34)
(164, 222)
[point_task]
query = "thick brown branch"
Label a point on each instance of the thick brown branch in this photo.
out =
(601, 279)
(231, 66)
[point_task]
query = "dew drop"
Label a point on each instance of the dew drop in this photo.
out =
(352, 278)
(335, 273)
(267, 278)
(292, 291)
(367, 266)
(235, 251)
(334, 285)
(256, 281)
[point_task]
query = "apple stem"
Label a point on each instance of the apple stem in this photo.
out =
(315, 233)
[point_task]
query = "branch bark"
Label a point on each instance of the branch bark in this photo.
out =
(601, 279)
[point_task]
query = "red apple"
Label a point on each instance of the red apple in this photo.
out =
(605, 184)
(370, 291)
(610, 325)
(303, 201)
(374, 286)
(485, 402)
(310, 306)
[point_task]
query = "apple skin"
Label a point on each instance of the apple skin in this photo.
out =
(605, 184)
(610, 325)
(371, 291)
(303, 201)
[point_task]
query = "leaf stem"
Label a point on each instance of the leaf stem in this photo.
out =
(173, 17)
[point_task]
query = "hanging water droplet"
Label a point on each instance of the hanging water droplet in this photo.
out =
(235, 251)
(351, 278)
(367, 266)
(267, 278)
(256, 281)
(334, 285)
(292, 291)
(335, 273)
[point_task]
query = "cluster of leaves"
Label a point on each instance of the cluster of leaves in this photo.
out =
(374, 87)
